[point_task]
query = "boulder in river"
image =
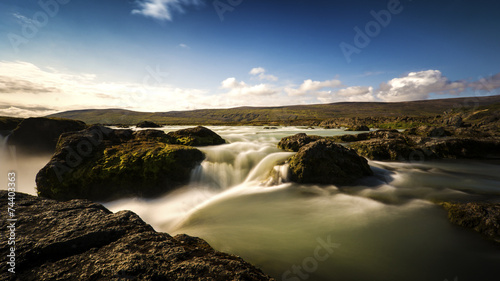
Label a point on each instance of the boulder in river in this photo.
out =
(147, 124)
(295, 142)
(102, 164)
(40, 135)
(359, 128)
(81, 240)
(325, 162)
(197, 136)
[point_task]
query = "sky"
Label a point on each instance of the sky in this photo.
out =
(169, 55)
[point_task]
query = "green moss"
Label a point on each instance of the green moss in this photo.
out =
(134, 168)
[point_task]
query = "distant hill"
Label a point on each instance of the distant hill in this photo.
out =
(297, 114)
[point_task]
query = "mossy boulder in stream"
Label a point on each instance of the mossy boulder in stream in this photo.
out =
(295, 142)
(104, 164)
(197, 136)
(482, 217)
(325, 162)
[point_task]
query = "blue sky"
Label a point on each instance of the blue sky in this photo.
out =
(162, 55)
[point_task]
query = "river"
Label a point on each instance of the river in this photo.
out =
(385, 228)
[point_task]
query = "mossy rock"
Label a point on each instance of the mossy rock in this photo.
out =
(295, 142)
(147, 124)
(358, 128)
(102, 164)
(197, 136)
(325, 162)
(480, 216)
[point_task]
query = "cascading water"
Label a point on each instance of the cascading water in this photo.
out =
(385, 228)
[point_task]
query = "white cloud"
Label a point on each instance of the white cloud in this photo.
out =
(163, 9)
(257, 70)
(354, 93)
(242, 89)
(261, 74)
(184, 46)
(310, 87)
(418, 86)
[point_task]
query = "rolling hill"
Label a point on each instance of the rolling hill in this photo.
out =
(287, 115)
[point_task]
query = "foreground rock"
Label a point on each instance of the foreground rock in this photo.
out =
(147, 124)
(40, 135)
(325, 162)
(81, 240)
(197, 136)
(481, 217)
(102, 164)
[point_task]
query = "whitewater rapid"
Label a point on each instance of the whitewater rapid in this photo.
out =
(387, 227)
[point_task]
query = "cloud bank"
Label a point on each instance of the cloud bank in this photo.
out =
(27, 90)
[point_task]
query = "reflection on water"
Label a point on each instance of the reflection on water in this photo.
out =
(386, 227)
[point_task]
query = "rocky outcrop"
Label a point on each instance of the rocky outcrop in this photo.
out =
(81, 240)
(8, 124)
(359, 128)
(147, 124)
(479, 216)
(325, 162)
(423, 143)
(434, 144)
(40, 135)
(295, 142)
(429, 131)
(197, 136)
(103, 164)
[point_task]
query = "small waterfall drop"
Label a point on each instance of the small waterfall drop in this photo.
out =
(228, 165)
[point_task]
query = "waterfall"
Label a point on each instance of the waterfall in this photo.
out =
(4, 148)
(228, 165)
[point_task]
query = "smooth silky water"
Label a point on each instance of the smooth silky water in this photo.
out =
(385, 228)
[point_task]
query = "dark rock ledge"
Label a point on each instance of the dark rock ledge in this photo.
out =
(81, 240)
(482, 217)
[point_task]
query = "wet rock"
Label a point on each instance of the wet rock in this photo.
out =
(102, 164)
(479, 216)
(384, 149)
(325, 162)
(358, 128)
(295, 142)
(40, 135)
(197, 136)
(429, 131)
(424, 143)
(147, 124)
(81, 240)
